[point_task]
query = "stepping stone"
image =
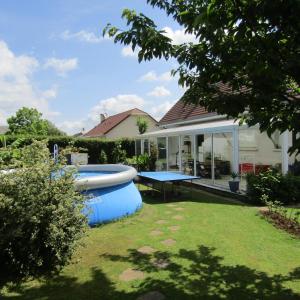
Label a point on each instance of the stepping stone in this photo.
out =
(174, 228)
(160, 263)
(146, 250)
(171, 205)
(178, 208)
(131, 274)
(156, 232)
(168, 242)
(161, 222)
(178, 217)
(154, 295)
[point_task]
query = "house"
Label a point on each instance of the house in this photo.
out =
(194, 141)
(122, 125)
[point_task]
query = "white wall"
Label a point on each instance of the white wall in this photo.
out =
(259, 149)
(128, 127)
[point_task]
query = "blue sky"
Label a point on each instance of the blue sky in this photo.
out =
(53, 57)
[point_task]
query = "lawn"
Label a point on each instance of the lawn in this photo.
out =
(205, 247)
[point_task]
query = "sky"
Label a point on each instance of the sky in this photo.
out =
(53, 58)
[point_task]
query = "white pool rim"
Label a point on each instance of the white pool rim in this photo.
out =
(123, 174)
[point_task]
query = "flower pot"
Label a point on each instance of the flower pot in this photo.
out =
(234, 186)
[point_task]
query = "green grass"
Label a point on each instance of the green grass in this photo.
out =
(223, 250)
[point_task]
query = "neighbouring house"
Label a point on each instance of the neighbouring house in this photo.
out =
(3, 129)
(122, 125)
(197, 142)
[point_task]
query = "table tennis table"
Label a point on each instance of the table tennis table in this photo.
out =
(164, 177)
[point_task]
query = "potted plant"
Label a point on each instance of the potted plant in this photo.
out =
(234, 184)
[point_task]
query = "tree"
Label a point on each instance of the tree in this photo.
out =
(29, 121)
(52, 130)
(245, 61)
(41, 218)
(142, 125)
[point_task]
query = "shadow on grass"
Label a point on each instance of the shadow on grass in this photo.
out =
(190, 274)
(187, 194)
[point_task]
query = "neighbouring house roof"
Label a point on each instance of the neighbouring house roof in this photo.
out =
(184, 112)
(3, 129)
(111, 122)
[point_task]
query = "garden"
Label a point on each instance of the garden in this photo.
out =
(196, 245)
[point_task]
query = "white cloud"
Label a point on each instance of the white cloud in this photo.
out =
(160, 110)
(159, 91)
(153, 76)
(83, 36)
(17, 88)
(50, 93)
(127, 52)
(110, 106)
(61, 66)
(116, 105)
(179, 36)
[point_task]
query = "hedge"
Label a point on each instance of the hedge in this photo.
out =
(93, 145)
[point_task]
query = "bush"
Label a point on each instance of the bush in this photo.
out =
(94, 146)
(141, 162)
(273, 186)
(40, 214)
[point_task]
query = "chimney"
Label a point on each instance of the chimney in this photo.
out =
(102, 118)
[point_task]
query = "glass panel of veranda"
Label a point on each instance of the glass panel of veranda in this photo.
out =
(203, 158)
(173, 153)
(161, 163)
(187, 154)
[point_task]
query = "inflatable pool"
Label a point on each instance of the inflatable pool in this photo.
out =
(110, 190)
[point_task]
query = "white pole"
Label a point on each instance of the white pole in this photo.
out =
(167, 152)
(235, 150)
(284, 152)
(194, 155)
(180, 152)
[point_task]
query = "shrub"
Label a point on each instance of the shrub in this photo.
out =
(273, 186)
(102, 157)
(93, 145)
(141, 162)
(118, 154)
(40, 214)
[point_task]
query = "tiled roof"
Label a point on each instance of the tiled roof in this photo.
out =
(112, 121)
(185, 112)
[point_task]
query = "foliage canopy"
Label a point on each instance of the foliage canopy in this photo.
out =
(245, 56)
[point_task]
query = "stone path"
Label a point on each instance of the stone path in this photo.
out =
(178, 208)
(161, 222)
(160, 263)
(146, 250)
(169, 242)
(153, 295)
(156, 232)
(131, 274)
(178, 217)
(174, 228)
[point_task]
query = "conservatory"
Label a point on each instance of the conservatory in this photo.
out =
(214, 150)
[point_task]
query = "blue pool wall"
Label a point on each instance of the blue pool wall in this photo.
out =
(112, 203)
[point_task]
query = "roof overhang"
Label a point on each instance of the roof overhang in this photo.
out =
(211, 127)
